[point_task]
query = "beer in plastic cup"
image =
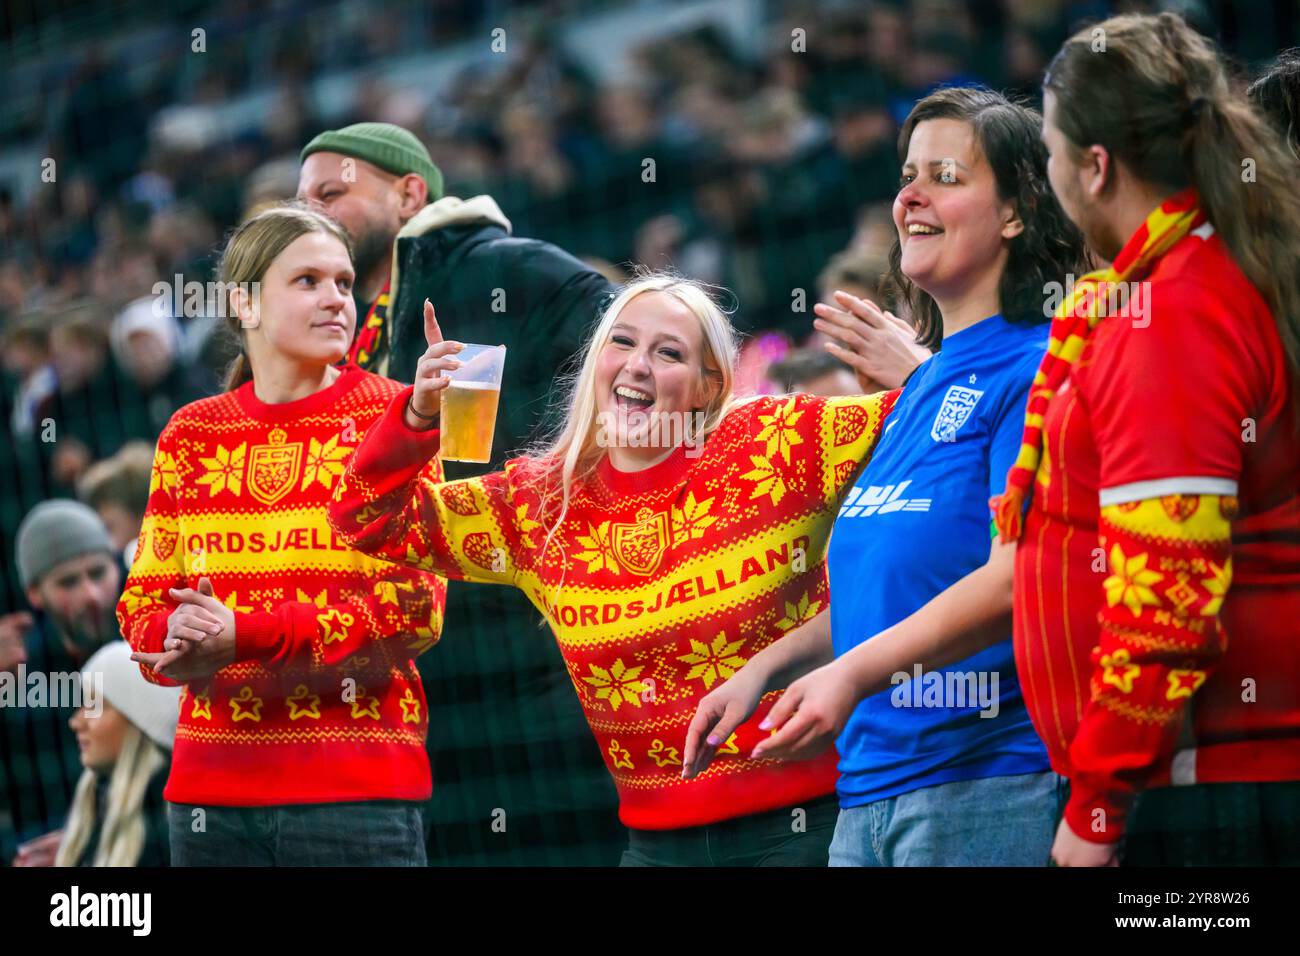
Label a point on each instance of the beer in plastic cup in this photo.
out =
(468, 414)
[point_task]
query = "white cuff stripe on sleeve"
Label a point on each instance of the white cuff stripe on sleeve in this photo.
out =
(1187, 485)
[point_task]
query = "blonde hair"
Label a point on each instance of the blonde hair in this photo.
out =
(571, 455)
(122, 838)
(249, 253)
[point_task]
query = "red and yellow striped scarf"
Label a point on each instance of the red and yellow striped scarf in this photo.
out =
(1072, 325)
(370, 344)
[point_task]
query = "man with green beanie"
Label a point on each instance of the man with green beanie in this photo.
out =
(68, 567)
(518, 778)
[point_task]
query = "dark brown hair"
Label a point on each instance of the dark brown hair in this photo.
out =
(249, 253)
(1276, 94)
(1046, 250)
(1158, 99)
(803, 366)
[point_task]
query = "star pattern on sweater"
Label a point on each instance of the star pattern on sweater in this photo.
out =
(334, 625)
(799, 612)
(662, 754)
(1217, 586)
(244, 706)
(325, 462)
(600, 549)
(1183, 683)
(225, 470)
(302, 704)
(779, 434)
(767, 481)
(621, 756)
(1131, 582)
(690, 521)
(714, 661)
(410, 708)
(163, 474)
(364, 706)
(202, 706)
(618, 684)
(1119, 671)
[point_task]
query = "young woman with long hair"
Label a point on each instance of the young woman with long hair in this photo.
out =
(125, 730)
(944, 769)
(302, 727)
(667, 534)
(1157, 575)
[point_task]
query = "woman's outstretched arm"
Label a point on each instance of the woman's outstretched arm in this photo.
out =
(390, 504)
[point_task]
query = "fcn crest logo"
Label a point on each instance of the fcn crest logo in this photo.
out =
(273, 468)
(956, 408)
(640, 545)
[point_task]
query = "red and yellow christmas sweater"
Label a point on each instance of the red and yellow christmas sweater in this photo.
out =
(659, 585)
(1157, 585)
(323, 703)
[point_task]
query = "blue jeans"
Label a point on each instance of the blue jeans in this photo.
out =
(364, 833)
(996, 821)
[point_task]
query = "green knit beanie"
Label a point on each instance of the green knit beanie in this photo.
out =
(387, 146)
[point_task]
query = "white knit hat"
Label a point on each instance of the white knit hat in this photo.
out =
(143, 315)
(151, 707)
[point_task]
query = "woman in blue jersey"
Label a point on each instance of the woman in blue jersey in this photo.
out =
(912, 666)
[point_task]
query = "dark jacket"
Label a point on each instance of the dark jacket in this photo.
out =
(491, 288)
(40, 762)
(157, 844)
(506, 730)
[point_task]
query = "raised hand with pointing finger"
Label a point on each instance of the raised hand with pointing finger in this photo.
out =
(422, 408)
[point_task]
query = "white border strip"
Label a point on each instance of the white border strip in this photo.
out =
(1187, 485)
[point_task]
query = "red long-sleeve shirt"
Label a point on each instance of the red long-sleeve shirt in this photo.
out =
(323, 702)
(1157, 608)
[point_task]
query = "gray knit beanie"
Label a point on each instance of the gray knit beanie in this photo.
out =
(54, 532)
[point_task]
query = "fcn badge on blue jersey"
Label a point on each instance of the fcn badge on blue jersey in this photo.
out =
(956, 408)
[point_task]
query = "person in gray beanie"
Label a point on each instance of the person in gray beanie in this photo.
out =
(124, 729)
(68, 567)
(65, 563)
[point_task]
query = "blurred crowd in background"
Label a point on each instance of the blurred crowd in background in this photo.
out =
(751, 144)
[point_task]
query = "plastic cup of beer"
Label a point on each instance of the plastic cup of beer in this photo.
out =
(468, 414)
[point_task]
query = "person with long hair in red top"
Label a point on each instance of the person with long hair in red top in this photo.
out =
(1156, 496)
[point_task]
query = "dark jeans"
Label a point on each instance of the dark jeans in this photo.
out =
(365, 833)
(1215, 824)
(774, 838)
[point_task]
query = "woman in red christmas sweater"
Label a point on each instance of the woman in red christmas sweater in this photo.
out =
(1157, 584)
(302, 725)
(668, 534)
